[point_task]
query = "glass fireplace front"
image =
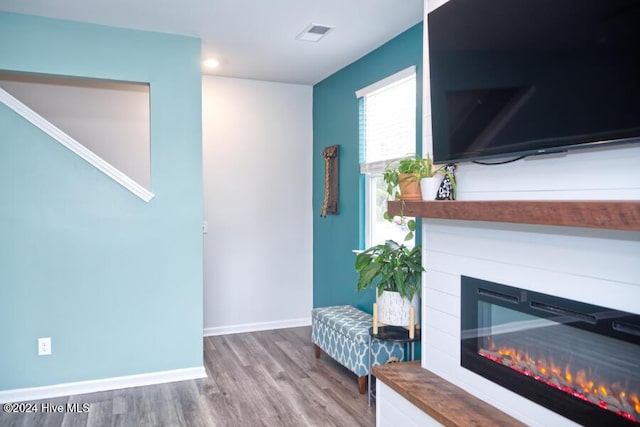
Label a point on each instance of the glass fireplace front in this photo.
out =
(579, 360)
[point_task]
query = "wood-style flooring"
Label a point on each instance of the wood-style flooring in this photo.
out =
(267, 378)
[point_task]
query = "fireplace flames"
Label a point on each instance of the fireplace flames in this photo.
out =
(577, 382)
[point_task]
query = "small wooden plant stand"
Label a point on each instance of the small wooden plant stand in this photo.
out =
(411, 327)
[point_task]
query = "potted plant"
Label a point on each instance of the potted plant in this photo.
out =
(396, 273)
(403, 183)
(413, 178)
(403, 177)
(429, 182)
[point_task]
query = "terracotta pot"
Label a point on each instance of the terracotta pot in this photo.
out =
(409, 187)
(394, 309)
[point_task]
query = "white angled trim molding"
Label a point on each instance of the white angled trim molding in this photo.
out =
(115, 383)
(254, 327)
(402, 74)
(73, 145)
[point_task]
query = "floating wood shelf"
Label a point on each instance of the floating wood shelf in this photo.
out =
(606, 214)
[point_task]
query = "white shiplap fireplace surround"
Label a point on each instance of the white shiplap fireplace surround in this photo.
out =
(595, 266)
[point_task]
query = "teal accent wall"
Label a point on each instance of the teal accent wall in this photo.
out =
(335, 121)
(114, 281)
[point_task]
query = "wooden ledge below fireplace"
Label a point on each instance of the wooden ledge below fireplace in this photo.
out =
(605, 214)
(439, 399)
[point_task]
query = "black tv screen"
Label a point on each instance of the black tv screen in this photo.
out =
(520, 77)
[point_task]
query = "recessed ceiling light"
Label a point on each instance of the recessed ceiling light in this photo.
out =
(211, 63)
(314, 32)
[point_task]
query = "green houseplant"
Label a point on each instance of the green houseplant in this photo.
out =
(402, 178)
(429, 182)
(411, 169)
(392, 268)
(407, 174)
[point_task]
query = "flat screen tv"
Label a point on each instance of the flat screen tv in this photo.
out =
(524, 77)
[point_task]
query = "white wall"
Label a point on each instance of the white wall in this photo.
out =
(257, 139)
(594, 266)
(109, 118)
(393, 410)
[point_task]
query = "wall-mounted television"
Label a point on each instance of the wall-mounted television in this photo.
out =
(524, 77)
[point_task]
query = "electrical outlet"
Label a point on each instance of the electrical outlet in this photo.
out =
(44, 346)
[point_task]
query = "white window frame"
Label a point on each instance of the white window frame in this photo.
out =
(368, 194)
(375, 169)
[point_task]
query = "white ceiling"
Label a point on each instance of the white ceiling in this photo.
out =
(254, 39)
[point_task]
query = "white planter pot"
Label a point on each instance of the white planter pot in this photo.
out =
(394, 309)
(429, 187)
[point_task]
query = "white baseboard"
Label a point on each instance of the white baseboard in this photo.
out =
(253, 327)
(114, 383)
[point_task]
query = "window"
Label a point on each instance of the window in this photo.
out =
(387, 132)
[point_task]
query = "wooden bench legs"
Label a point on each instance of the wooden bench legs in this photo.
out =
(362, 381)
(362, 384)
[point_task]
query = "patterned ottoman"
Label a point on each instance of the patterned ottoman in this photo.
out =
(342, 331)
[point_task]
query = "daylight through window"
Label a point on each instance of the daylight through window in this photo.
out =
(387, 132)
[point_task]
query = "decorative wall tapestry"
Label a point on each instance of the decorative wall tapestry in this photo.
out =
(330, 204)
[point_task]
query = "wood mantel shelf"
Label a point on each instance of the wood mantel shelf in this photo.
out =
(606, 214)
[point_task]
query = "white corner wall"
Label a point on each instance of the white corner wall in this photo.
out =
(257, 157)
(594, 266)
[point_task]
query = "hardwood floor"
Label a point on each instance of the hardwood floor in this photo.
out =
(268, 378)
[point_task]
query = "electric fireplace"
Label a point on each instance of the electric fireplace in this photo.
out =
(579, 360)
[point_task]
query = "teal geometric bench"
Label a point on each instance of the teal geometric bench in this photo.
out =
(342, 332)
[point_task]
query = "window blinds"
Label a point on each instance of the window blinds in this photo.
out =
(387, 121)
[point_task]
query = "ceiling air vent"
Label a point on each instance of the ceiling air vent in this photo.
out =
(314, 32)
